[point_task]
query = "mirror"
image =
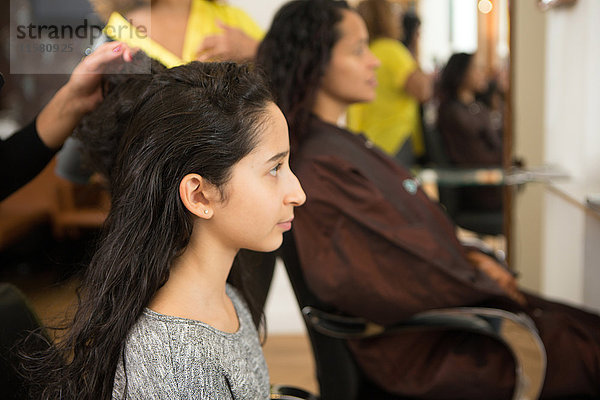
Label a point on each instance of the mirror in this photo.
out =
(469, 26)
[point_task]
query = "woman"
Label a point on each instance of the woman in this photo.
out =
(392, 121)
(472, 134)
(371, 244)
(175, 32)
(197, 160)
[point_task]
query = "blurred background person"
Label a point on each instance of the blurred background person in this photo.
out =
(179, 31)
(471, 133)
(393, 120)
(372, 244)
(411, 32)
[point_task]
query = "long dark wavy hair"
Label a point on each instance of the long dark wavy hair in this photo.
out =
(197, 118)
(295, 54)
(453, 75)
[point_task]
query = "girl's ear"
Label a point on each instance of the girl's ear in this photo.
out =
(198, 195)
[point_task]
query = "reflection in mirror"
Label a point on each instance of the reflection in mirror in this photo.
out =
(474, 27)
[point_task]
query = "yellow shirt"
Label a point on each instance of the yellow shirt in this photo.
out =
(393, 116)
(201, 23)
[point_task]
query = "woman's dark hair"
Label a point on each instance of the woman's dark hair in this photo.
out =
(380, 19)
(295, 54)
(453, 75)
(198, 118)
(410, 23)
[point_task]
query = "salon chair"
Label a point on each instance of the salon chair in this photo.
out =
(17, 320)
(482, 222)
(339, 375)
(254, 272)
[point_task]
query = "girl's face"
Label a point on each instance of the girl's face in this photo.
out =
(350, 75)
(261, 195)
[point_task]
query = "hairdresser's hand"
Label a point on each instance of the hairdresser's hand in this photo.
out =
(80, 95)
(231, 45)
(498, 273)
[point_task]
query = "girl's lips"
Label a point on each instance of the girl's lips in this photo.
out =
(286, 225)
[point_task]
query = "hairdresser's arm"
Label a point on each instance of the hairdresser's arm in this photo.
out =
(80, 95)
(27, 151)
(233, 44)
(408, 76)
(419, 86)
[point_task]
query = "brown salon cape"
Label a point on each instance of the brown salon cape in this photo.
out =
(371, 244)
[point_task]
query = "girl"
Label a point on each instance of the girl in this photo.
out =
(197, 160)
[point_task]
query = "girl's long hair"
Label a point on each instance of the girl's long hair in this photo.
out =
(149, 132)
(295, 54)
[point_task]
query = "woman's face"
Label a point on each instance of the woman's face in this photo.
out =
(350, 75)
(474, 79)
(261, 195)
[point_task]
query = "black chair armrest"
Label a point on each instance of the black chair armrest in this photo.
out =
(516, 331)
(344, 327)
(291, 393)
(340, 326)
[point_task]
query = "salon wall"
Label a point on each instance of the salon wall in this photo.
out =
(556, 121)
(261, 10)
(528, 55)
(572, 130)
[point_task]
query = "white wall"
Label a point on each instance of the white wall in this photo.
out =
(447, 27)
(281, 311)
(571, 253)
(528, 86)
(261, 10)
(573, 89)
(435, 34)
(464, 26)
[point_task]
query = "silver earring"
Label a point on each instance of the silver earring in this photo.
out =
(205, 211)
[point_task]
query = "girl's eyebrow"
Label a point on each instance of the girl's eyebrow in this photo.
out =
(278, 156)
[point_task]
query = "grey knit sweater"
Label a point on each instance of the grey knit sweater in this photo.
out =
(176, 358)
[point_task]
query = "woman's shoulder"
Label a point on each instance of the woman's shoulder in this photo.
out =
(326, 139)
